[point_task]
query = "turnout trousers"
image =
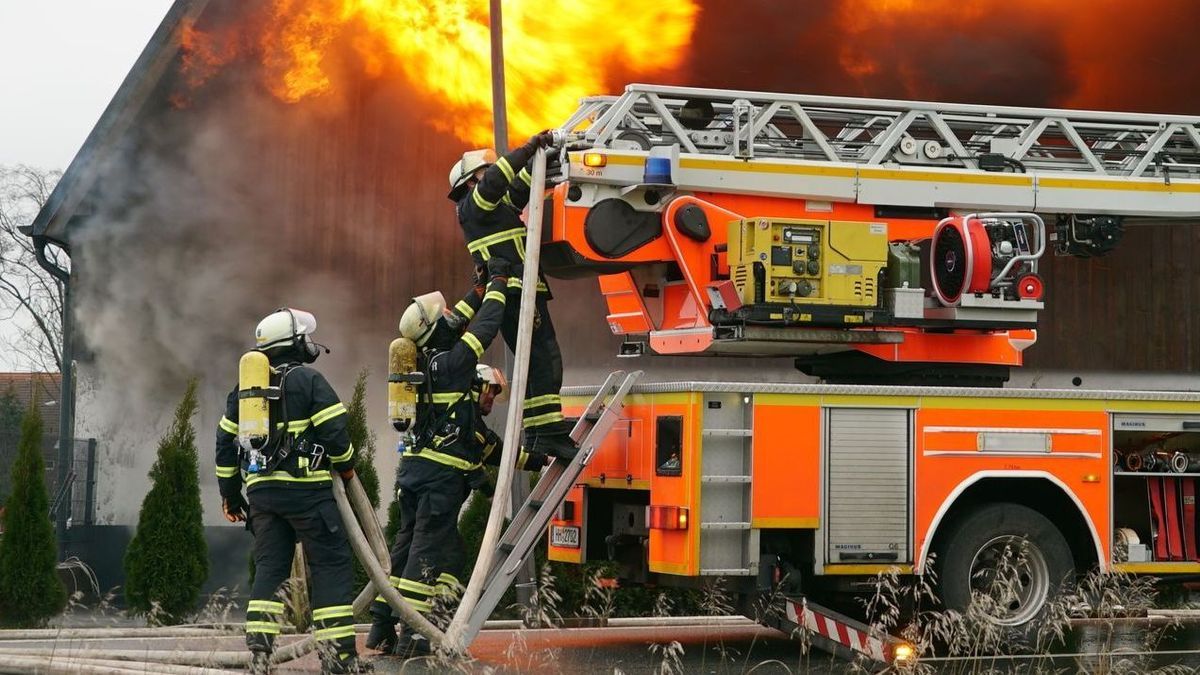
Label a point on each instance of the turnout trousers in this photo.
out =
(543, 404)
(279, 517)
(428, 554)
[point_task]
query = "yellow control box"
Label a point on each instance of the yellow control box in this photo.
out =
(815, 262)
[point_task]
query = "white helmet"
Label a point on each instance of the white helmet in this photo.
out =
(422, 315)
(492, 376)
(283, 327)
(466, 167)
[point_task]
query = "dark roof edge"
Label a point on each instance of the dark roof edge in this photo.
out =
(116, 119)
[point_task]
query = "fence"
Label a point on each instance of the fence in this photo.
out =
(81, 477)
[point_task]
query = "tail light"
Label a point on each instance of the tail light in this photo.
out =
(667, 517)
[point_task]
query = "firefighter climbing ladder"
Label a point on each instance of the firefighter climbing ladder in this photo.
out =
(906, 153)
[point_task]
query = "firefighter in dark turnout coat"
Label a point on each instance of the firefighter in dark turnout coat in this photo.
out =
(289, 498)
(489, 195)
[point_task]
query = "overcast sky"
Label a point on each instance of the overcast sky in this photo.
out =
(61, 61)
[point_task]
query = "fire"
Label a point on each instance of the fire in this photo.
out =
(556, 51)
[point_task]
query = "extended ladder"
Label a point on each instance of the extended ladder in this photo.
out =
(530, 521)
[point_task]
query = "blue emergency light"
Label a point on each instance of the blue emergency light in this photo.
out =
(658, 171)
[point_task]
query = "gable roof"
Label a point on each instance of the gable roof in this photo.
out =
(44, 387)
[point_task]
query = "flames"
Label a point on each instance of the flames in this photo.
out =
(556, 51)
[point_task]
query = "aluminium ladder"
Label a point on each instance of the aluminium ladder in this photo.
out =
(531, 519)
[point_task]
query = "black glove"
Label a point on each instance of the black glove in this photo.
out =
(536, 461)
(234, 507)
(478, 480)
(544, 139)
(499, 268)
(480, 277)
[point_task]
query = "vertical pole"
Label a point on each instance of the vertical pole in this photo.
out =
(89, 503)
(66, 421)
(455, 637)
(520, 491)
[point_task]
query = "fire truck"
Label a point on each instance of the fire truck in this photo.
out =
(891, 248)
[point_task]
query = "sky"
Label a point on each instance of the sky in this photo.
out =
(61, 61)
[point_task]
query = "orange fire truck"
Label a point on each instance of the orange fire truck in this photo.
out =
(891, 247)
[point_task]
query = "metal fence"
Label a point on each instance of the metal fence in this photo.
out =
(81, 479)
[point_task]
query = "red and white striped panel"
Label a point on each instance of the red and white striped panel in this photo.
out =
(802, 615)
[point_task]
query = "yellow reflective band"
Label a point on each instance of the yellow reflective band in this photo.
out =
(269, 627)
(335, 633)
(481, 202)
(226, 471)
(285, 477)
(415, 587)
(298, 426)
(227, 425)
(465, 309)
(334, 612)
(526, 177)
(542, 420)
(522, 457)
(394, 581)
(447, 397)
(443, 458)
(269, 606)
(505, 168)
(545, 399)
(420, 605)
(510, 234)
(495, 295)
(447, 578)
(329, 413)
(474, 343)
(344, 457)
(514, 282)
(508, 200)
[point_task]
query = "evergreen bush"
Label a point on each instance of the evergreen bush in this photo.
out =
(30, 591)
(167, 560)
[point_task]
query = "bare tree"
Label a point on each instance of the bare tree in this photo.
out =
(31, 300)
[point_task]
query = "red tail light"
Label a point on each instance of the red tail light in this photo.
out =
(667, 517)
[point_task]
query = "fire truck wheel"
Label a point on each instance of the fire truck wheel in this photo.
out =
(1010, 558)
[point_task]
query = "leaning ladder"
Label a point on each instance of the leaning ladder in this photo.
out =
(530, 521)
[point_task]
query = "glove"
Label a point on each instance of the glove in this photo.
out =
(536, 461)
(480, 278)
(478, 480)
(234, 507)
(499, 268)
(544, 139)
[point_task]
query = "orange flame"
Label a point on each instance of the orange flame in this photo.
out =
(556, 52)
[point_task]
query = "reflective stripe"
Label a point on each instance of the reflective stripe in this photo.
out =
(508, 200)
(328, 414)
(420, 605)
(526, 177)
(481, 202)
(447, 578)
(511, 234)
(298, 426)
(226, 471)
(514, 282)
(463, 308)
(285, 477)
(344, 457)
(415, 587)
(542, 420)
(334, 633)
(268, 627)
(474, 343)
(395, 581)
(268, 606)
(443, 458)
(545, 399)
(505, 168)
(522, 458)
(334, 612)
(447, 397)
(495, 295)
(227, 425)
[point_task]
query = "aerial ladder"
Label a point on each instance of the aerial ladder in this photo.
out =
(873, 240)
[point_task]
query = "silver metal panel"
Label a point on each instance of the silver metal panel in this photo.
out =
(867, 493)
(1156, 422)
(726, 540)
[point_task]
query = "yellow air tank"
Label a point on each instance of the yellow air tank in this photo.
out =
(403, 378)
(254, 416)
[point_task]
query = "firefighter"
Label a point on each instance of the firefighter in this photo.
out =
(436, 472)
(489, 195)
(289, 495)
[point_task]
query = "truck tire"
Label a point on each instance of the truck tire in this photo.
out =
(1015, 538)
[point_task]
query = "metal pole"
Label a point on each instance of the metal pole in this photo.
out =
(455, 634)
(66, 420)
(520, 491)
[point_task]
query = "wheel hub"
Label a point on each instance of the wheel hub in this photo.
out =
(1013, 579)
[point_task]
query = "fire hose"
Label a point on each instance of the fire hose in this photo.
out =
(368, 545)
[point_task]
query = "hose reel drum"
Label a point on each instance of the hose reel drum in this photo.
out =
(993, 254)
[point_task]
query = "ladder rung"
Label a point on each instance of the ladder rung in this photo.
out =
(723, 525)
(507, 548)
(725, 479)
(730, 572)
(534, 504)
(736, 433)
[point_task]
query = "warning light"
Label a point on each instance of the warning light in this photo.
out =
(903, 654)
(667, 517)
(595, 159)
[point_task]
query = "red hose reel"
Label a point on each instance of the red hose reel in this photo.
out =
(961, 259)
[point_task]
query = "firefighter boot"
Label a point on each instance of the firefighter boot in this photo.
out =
(344, 664)
(551, 439)
(260, 663)
(382, 637)
(411, 645)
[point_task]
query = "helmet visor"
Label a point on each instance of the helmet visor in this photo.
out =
(306, 323)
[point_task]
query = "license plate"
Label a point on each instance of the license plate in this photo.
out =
(566, 536)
